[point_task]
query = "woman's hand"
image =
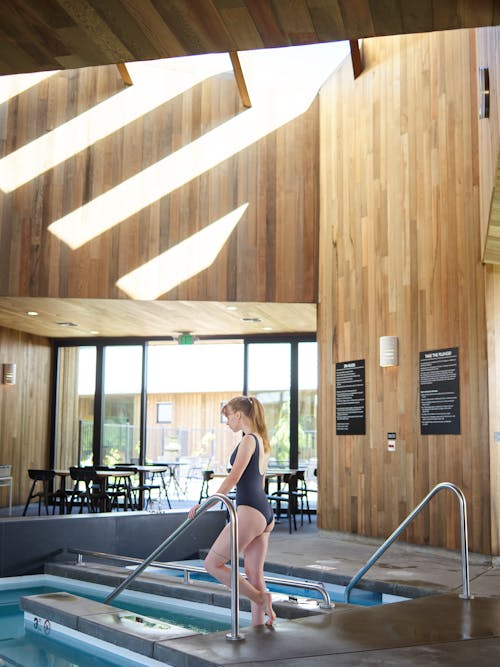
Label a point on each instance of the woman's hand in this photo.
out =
(193, 510)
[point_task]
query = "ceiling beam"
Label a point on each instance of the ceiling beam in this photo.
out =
(356, 57)
(124, 73)
(240, 79)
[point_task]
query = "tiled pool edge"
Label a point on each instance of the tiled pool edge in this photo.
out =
(210, 594)
(102, 622)
(98, 620)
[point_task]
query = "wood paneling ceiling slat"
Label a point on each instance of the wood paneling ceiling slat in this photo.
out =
(45, 35)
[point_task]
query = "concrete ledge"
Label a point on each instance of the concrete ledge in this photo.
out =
(62, 608)
(123, 628)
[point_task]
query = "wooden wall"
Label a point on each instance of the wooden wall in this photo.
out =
(488, 55)
(24, 409)
(400, 254)
(277, 231)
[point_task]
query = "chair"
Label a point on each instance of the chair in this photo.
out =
(284, 500)
(118, 492)
(60, 498)
(41, 489)
(144, 488)
(207, 475)
(301, 496)
(87, 491)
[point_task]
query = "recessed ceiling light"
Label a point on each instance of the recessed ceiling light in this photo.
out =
(267, 328)
(32, 313)
(231, 307)
(94, 332)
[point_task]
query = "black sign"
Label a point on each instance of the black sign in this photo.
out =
(350, 397)
(439, 392)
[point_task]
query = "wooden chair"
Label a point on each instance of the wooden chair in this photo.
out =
(41, 489)
(87, 491)
(145, 488)
(118, 492)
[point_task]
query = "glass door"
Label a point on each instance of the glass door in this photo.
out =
(269, 379)
(121, 404)
(186, 387)
(308, 403)
(74, 427)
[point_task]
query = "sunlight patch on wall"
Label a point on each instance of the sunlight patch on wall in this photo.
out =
(182, 261)
(155, 83)
(281, 88)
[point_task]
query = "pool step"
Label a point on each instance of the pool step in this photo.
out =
(209, 593)
(130, 631)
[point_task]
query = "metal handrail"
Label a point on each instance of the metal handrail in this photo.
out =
(464, 539)
(235, 583)
(293, 583)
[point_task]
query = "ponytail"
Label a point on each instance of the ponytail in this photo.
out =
(254, 410)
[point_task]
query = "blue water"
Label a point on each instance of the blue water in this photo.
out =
(20, 647)
(335, 591)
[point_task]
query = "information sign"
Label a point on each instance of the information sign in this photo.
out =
(439, 392)
(350, 397)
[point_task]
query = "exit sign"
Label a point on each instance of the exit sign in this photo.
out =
(186, 339)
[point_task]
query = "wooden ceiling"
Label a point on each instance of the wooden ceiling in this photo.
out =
(37, 35)
(91, 318)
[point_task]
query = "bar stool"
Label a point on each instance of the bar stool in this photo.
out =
(207, 476)
(41, 488)
(301, 496)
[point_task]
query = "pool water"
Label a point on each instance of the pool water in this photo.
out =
(20, 647)
(358, 596)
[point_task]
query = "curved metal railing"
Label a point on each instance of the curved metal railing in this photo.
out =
(463, 527)
(235, 582)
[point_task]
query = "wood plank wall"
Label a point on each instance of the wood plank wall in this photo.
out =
(488, 55)
(278, 230)
(24, 409)
(400, 254)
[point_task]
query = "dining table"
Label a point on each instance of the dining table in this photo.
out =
(173, 468)
(119, 476)
(155, 469)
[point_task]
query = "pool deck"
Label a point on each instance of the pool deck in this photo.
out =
(435, 628)
(438, 628)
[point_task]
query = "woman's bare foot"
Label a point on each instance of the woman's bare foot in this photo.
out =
(267, 606)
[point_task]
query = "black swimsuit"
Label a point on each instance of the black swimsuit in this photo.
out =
(249, 489)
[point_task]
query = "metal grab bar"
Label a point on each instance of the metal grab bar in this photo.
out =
(293, 583)
(235, 583)
(464, 538)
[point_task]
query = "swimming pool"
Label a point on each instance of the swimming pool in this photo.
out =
(24, 644)
(359, 596)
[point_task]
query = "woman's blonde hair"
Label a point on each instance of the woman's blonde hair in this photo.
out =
(254, 410)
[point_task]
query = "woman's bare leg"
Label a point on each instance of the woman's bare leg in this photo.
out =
(255, 556)
(251, 526)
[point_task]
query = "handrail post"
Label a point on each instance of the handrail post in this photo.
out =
(465, 595)
(235, 582)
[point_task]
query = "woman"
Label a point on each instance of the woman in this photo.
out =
(255, 516)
